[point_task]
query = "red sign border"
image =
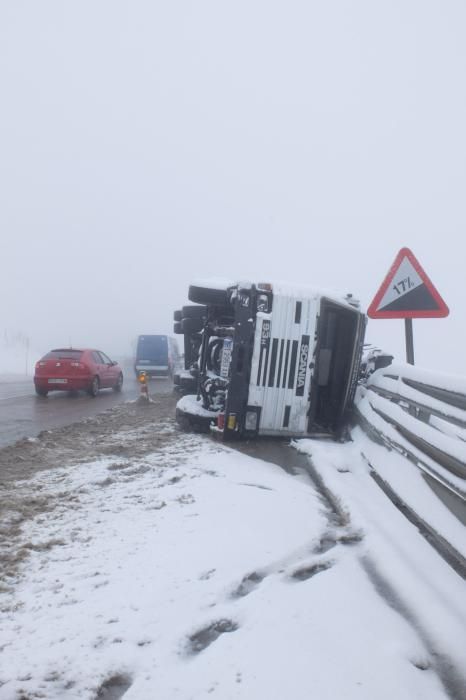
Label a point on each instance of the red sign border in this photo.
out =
(441, 312)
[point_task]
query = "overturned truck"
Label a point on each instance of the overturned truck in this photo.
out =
(268, 359)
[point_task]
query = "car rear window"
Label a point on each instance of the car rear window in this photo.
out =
(63, 355)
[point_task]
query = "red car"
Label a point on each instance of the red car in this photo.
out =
(71, 370)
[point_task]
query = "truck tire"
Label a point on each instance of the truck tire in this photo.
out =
(194, 311)
(191, 325)
(208, 295)
(188, 385)
(193, 423)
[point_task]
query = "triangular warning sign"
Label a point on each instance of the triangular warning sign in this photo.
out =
(407, 292)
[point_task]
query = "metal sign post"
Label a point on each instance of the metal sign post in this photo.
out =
(408, 293)
(409, 341)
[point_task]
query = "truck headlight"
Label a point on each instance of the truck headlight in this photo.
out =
(250, 421)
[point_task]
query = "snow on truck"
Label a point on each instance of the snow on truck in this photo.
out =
(263, 359)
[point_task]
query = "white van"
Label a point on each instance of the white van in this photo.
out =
(275, 359)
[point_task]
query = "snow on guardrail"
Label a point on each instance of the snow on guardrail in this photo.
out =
(451, 389)
(421, 414)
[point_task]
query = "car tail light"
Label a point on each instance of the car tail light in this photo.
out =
(40, 364)
(79, 365)
(221, 421)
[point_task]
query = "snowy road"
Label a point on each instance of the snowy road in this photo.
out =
(154, 563)
(23, 414)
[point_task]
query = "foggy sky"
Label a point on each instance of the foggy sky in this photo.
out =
(146, 143)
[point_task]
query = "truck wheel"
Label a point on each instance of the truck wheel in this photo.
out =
(188, 385)
(194, 311)
(208, 295)
(191, 325)
(192, 423)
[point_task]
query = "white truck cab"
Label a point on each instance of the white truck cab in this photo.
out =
(275, 359)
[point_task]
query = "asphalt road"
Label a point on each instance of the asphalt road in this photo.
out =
(23, 414)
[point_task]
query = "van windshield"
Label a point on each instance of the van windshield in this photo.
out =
(154, 348)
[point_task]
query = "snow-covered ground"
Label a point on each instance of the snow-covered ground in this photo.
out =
(195, 571)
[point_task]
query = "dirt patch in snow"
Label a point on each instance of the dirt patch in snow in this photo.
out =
(141, 428)
(127, 432)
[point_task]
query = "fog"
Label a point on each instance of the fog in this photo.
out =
(144, 144)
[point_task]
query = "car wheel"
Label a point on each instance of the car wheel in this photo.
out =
(208, 295)
(119, 383)
(177, 328)
(177, 315)
(41, 392)
(94, 388)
